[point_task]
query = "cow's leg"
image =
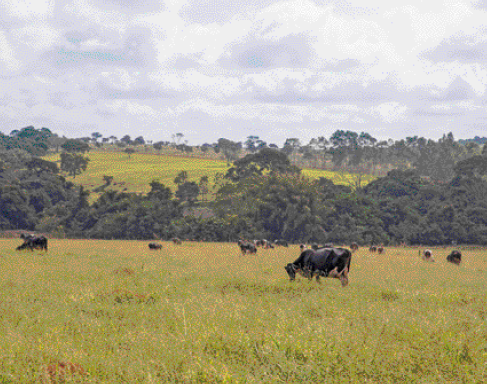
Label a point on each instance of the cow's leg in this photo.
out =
(318, 275)
(344, 277)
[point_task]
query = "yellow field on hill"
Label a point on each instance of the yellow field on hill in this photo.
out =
(134, 173)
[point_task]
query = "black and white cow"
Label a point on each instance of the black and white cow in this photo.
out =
(428, 256)
(354, 246)
(326, 262)
(32, 242)
(247, 247)
(454, 257)
(155, 246)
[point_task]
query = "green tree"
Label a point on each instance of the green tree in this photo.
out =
(129, 151)
(267, 160)
(39, 165)
(188, 191)
(229, 148)
(181, 178)
(73, 163)
(75, 146)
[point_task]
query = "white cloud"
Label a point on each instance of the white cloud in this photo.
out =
(8, 60)
(278, 66)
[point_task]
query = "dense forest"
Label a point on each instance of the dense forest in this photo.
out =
(434, 192)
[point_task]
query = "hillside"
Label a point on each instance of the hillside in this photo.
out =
(134, 173)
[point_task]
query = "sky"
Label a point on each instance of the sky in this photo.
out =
(273, 69)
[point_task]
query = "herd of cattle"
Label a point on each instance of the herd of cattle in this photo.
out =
(314, 260)
(327, 260)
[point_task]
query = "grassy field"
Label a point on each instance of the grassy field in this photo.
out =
(201, 313)
(135, 173)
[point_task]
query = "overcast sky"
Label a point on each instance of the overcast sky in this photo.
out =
(274, 69)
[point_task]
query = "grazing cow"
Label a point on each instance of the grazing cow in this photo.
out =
(326, 262)
(155, 246)
(282, 243)
(373, 248)
(454, 257)
(354, 247)
(427, 256)
(258, 243)
(247, 247)
(380, 250)
(33, 242)
(175, 240)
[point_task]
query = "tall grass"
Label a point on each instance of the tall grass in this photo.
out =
(201, 313)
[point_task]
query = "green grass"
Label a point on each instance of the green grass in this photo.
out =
(135, 173)
(201, 313)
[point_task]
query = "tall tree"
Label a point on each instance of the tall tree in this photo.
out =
(73, 163)
(266, 160)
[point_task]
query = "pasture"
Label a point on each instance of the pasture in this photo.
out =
(201, 313)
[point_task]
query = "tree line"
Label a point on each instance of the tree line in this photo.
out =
(263, 195)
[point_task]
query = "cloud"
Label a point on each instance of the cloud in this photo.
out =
(92, 48)
(259, 54)
(343, 93)
(464, 49)
(219, 11)
(138, 6)
(482, 4)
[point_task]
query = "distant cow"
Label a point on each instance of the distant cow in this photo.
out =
(32, 242)
(380, 250)
(247, 247)
(454, 257)
(155, 246)
(326, 262)
(175, 240)
(354, 247)
(428, 256)
(282, 243)
(373, 248)
(327, 245)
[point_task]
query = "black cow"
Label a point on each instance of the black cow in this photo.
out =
(155, 246)
(282, 243)
(247, 247)
(33, 242)
(454, 257)
(380, 250)
(373, 248)
(177, 241)
(327, 262)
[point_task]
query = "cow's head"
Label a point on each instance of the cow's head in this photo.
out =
(291, 271)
